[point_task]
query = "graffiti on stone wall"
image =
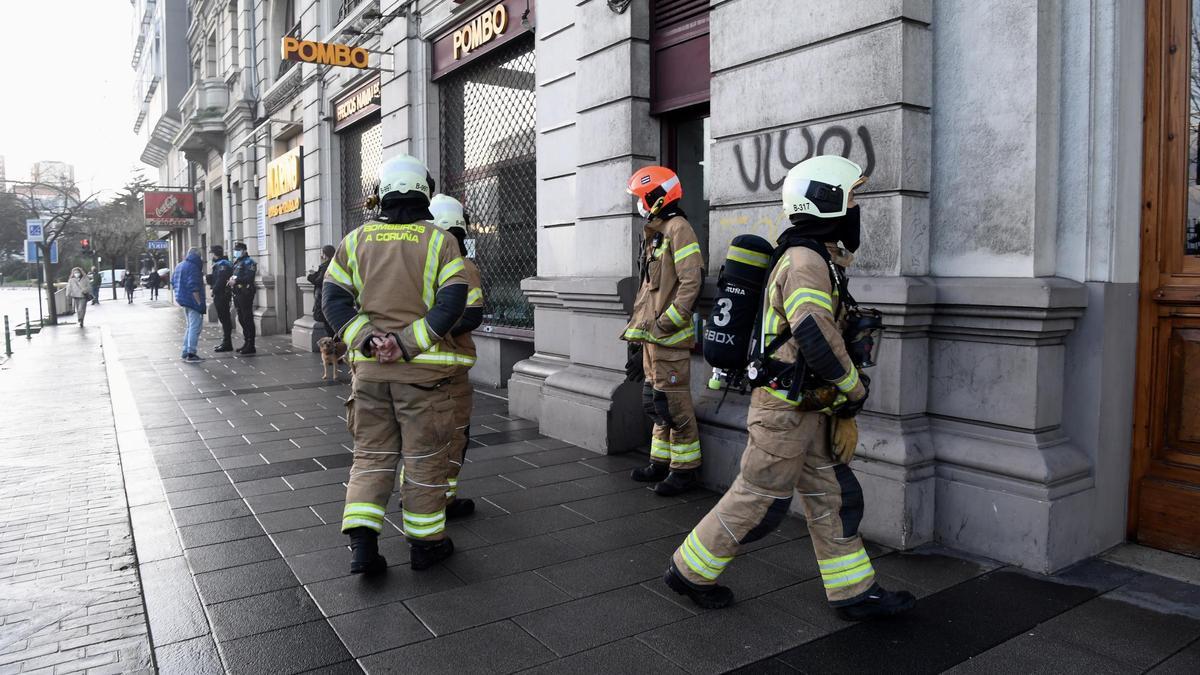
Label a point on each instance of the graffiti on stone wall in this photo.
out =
(764, 160)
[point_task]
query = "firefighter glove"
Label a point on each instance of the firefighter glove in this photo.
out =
(851, 408)
(635, 370)
(843, 437)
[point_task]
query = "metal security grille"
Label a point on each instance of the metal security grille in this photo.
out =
(488, 162)
(362, 151)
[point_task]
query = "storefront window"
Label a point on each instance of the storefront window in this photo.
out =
(488, 162)
(361, 153)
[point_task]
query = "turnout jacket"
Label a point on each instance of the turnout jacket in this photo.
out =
(398, 278)
(459, 341)
(672, 267)
(799, 292)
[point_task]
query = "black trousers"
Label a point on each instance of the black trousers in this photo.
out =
(221, 303)
(243, 300)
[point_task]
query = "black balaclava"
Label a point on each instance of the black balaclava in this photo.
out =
(847, 229)
(460, 235)
(409, 207)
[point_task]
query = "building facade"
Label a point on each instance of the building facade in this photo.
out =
(1011, 189)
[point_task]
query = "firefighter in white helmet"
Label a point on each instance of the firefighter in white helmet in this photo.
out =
(448, 214)
(792, 448)
(395, 288)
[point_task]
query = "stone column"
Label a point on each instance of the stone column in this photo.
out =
(589, 401)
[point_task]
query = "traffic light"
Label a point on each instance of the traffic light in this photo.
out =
(86, 245)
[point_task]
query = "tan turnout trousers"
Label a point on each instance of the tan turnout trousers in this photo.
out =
(390, 422)
(462, 394)
(788, 450)
(667, 399)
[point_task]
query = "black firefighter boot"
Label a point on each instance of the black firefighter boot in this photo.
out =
(653, 473)
(877, 603)
(460, 508)
(715, 596)
(676, 483)
(426, 554)
(364, 544)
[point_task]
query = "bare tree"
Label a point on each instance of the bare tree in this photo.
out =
(62, 212)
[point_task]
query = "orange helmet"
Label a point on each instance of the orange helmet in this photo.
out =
(654, 187)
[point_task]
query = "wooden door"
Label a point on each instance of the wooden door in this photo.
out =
(1165, 473)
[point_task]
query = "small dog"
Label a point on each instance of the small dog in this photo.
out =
(332, 351)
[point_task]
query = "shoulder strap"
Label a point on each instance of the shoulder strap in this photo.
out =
(786, 332)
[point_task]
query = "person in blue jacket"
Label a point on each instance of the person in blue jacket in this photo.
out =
(188, 282)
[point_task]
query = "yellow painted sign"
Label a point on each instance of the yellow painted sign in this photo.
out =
(284, 180)
(482, 30)
(326, 53)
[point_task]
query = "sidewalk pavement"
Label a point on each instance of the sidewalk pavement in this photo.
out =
(234, 471)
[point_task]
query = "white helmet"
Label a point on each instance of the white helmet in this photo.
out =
(447, 212)
(401, 174)
(820, 186)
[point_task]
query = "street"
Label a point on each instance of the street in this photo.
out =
(231, 473)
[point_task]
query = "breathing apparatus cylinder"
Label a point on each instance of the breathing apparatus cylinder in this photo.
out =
(729, 329)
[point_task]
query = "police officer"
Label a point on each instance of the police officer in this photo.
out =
(448, 215)
(242, 283)
(671, 270)
(393, 291)
(792, 448)
(218, 281)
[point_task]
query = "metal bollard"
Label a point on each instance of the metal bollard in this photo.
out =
(7, 338)
(28, 333)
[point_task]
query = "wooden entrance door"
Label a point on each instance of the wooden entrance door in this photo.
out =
(1165, 481)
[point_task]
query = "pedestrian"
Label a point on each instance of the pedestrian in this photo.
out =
(153, 282)
(130, 283)
(218, 280)
(188, 282)
(394, 289)
(80, 292)
(96, 281)
(317, 279)
(793, 446)
(242, 283)
(671, 276)
(448, 215)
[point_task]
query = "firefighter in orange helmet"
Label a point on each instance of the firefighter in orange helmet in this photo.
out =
(671, 274)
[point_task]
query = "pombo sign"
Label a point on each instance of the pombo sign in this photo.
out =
(326, 53)
(482, 30)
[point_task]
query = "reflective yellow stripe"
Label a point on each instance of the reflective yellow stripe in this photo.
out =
(685, 452)
(424, 518)
(802, 296)
(422, 531)
(700, 560)
(675, 317)
(350, 332)
(854, 575)
(339, 275)
(673, 339)
(454, 267)
(428, 289)
(691, 249)
(366, 509)
(436, 359)
(421, 334)
(780, 394)
(359, 521)
(748, 257)
(420, 525)
(843, 562)
(474, 296)
(847, 384)
(352, 259)
(660, 449)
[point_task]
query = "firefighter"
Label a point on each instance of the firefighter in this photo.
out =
(242, 284)
(218, 280)
(394, 289)
(791, 448)
(671, 270)
(448, 215)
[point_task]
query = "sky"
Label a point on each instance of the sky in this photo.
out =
(66, 90)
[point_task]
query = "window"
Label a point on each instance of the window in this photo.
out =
(361, 154)
(687, 142)
(210, 55)
(489, 163)
(233, 34)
